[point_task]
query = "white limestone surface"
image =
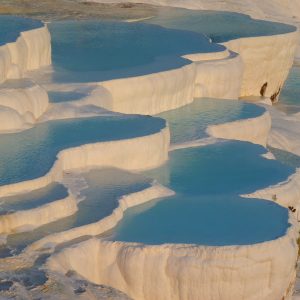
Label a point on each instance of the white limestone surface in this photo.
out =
(32, 99)
(23, 106)
(138, 153)
(261, 60)
(255, 130)
(11, 120)
(267, 59)
(285, 131)
(30, 51)
(151, 93)
(264, 271)
(27, 220)
(206, 76)
(213, 79)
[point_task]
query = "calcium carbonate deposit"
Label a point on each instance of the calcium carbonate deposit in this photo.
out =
(149, 152)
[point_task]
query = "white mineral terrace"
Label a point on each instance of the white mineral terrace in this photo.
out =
(261, 271)
(264, 271)
(30, 51)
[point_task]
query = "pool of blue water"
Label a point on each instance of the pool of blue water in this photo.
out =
(52, 192)
(84, 51)
(101, 195)
(289, 100)
(31, 153)
(190, 122)
(207, 208)
(286, 157)
(12, 26)
(219, 26)
(57, 96)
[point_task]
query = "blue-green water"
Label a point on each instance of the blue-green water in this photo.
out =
(286, 157)
(104, 188)
(85, 51)
(219, 26)
(190, 122)
(289, 100)
(56, 97)
(12, 26)
(52, 192)
(207, 208)
(31, 153)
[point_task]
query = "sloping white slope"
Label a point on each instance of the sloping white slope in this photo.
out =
(30, 51)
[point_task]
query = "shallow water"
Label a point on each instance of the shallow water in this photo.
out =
(50, 193)
(286, 157)
(104, 188)
(219, 26)
(85, 51)
(31, 153)
(12, 26)
(207, 209)
(190, 122)
(57, 96)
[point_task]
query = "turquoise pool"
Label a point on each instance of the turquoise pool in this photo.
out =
(30, 154)
(85, 51)
(219, 26)
(12, 26)
(104, 188)
(189, 123)
(207, 208)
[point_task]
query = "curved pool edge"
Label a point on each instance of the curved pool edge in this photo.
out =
(259, 271)
(141, 153)
(285, 193)
(30, 219)
(255, 130)
(153, 192)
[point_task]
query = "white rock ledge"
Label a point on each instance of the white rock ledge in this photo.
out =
(266, 59)
(138, 153)
(255, 130)
(286, 193)
(30, 51)
(205, 76)
(27, 220)
(105, 224)
(21, 107)
(264, 271)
